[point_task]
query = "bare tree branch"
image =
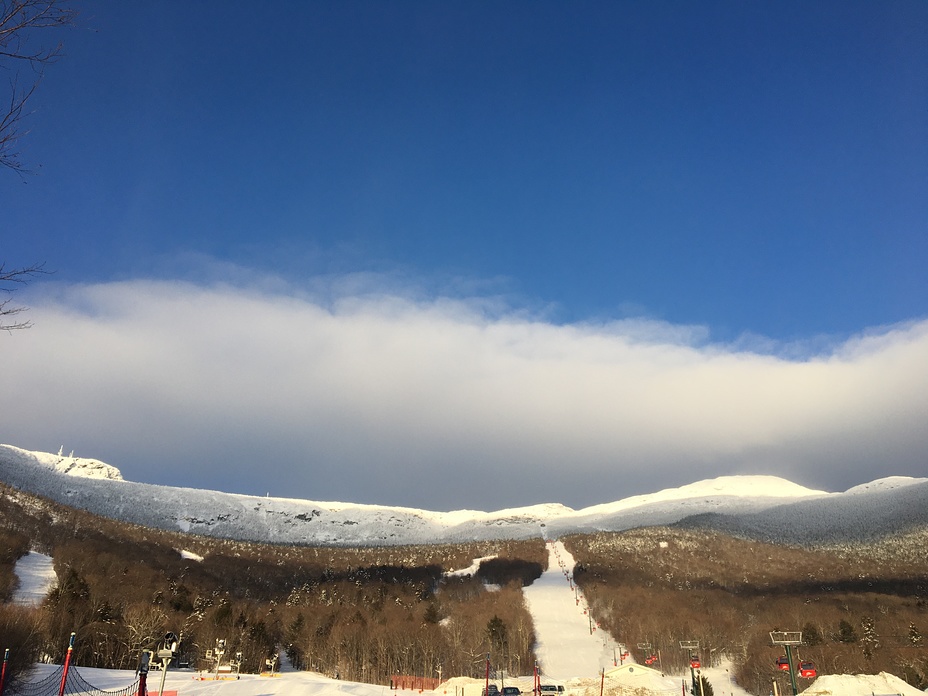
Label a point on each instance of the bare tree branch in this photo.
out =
(24, 53)
(20, 21)
(15, 276)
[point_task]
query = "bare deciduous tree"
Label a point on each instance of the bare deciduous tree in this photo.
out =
(8, 280)
(23, 58)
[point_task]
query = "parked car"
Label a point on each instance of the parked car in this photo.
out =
(552, 689)
(491, 690)
(512, 691)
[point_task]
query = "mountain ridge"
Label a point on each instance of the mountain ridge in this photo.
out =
(754, 505)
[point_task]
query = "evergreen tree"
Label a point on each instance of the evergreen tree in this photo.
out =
(846, 632)
(870, 639)
(432, 614)
(705, 686)
(294, 638)
(811, 635)
(496, 633)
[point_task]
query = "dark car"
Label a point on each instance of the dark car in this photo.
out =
(491, 690)
(512, 691)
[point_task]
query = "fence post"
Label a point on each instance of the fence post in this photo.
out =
(6, 657)
(67, 663)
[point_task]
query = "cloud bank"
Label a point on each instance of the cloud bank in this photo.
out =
(364, 395)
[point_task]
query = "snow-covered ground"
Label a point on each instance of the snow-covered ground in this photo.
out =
(569, 653)
(569, 644)
(36, 577)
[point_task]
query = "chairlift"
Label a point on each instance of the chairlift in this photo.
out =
(783, 663)
(694, 662)
(807, 670)
(650, 659)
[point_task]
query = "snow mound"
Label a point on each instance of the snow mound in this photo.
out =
(860, 685)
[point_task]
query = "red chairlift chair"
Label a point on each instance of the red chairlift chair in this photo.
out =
(783, 663)
(694, 662)
(807, 670)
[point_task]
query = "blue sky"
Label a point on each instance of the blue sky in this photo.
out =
(747, 180)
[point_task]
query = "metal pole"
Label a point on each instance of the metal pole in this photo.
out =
(164, 673)
(792, 671)
(67, 663)
(6, 657)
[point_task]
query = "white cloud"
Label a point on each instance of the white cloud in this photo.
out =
(369, 396)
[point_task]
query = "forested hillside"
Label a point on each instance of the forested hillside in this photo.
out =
(368, 613)
(363, 614)
(861, 609)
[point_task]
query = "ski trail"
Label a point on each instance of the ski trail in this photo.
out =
(36, 577)
(568, 643)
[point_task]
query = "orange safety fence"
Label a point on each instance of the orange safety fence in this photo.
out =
(409, 681)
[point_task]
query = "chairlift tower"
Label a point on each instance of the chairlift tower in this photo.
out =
(692, 647)
(788, 639)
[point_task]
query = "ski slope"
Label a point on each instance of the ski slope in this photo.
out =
(569, 644)
(37, 576)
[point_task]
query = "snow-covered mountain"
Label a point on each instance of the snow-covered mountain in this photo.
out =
(763, 506)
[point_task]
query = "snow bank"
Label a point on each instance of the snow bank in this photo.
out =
(860, 685)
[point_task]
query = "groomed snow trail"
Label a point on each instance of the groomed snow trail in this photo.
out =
(36, 577)
(566, 647)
